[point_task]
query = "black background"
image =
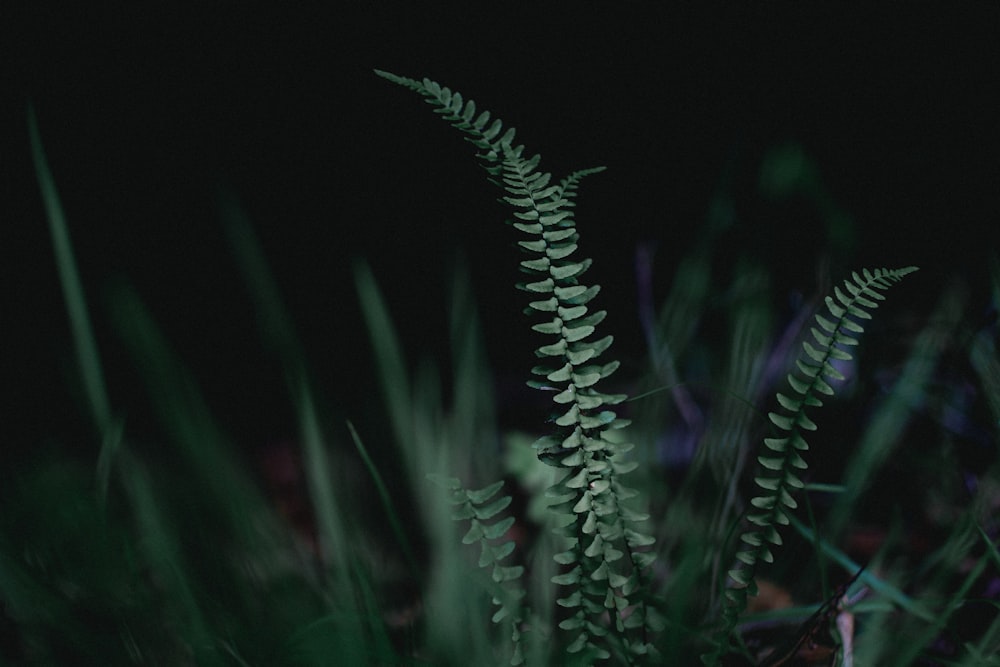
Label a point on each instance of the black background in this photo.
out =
(148, 114)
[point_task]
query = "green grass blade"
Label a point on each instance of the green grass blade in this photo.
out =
(69, 278)
(989, 643)
(218, 473)
(333, 536)
(957, 547)
(278, 333)
(161, 550)
(868, 578)
(388, 355)
(891, 419)
(386, 499)
(275, 323)
(84, 341)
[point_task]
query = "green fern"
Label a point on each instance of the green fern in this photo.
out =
(780, 477)
(481, 508)
(605, 553)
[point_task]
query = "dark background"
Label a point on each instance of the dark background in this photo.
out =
(147, 115)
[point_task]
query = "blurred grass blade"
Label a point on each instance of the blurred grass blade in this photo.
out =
(942, 589)
(473, 416)
(219, 473)
(984, 354)
(333, 537)
(25, 599)
(867, 577)
(894, 414)
(278, 332)
(386, 498)
(111, 443)
(388, 355)
(274, 321)
(69, 277)
(354, 632)
(989, 642)
(88, 358)
(162, 551)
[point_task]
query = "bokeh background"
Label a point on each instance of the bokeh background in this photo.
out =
(873, 132)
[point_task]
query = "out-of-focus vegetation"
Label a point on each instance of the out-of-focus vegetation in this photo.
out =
(337, 549)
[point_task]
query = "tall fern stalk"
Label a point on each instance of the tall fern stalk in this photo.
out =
(604, 552)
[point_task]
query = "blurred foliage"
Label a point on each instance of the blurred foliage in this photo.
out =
(180, 550)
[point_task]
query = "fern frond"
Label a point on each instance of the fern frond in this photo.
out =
(782, 463)
(486, 133)
(599, 531)
(481, 508)
(606, 552)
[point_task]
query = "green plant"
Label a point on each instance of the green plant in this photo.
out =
(605, 551)
(607, 556)
(170, 553)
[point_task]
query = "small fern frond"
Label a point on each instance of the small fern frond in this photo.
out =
(482, 509)
(782, 463)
